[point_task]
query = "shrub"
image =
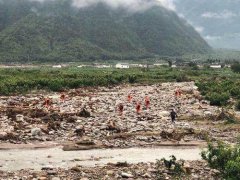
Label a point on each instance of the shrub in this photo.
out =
(238, 105)
(132, 79)
(218, 99)
(175, 167)
(236, 67)
(224, 158)
(182, 78)
(235, 91)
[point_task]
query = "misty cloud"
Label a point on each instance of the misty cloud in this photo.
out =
(134, 5)
(226, 14)
(169, 4)
(212, 38)
(199, 29)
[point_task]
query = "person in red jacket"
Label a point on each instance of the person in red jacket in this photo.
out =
(62, 97)
(147, 102)
(129, 98)
(47, 102)
(138, 108)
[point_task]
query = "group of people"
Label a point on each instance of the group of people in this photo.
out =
(48, 102)
(138, 104)
(173, 113)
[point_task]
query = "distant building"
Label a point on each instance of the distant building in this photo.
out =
(57, 66)
(81, 66)
(134, 65)
(161, 64)
(103, 66)
(138, 65)
(122, 66)
(143, 65)
(216, 66)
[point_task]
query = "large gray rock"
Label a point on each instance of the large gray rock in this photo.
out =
(36, 132)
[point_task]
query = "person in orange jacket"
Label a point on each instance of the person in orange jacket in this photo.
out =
(62, 97)
(129, 98)
(147, 102)
(47, 102)
(138, 108)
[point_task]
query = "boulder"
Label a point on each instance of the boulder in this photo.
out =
(19, 118)
(3, 135)
(84, 113)
(36, 132)
(164, 114)
(126, 175)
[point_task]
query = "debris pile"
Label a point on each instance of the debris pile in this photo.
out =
(194, 170)
(101, 113)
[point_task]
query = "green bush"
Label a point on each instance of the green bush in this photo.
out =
(224, 158)
(132, 79)
(236, 67)
(238, 105)
(181, 78)
(175, 167)
(218, 99)
(235, 91)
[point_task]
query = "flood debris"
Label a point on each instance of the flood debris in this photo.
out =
(191, 170)
(101, 113)
(117, 117)
(84, 113)
(226, 115)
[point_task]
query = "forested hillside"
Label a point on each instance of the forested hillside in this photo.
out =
(57, 31)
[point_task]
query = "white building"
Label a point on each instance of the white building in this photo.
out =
(122, 66)
(216, 66)
(103, 66)
(57, 66)
(81, 66)
(161, 64)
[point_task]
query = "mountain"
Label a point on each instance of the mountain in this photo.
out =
(58, 31)
(216, 20)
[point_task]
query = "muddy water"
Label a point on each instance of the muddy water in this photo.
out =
(17, 159)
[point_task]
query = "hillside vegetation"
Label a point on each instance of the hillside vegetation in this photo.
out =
(56, 31)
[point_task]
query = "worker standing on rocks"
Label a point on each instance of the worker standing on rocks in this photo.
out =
(129, 98)
(138, 108)
(178, 92)
(147, 102)
(120, 108)
(47, 102)
(62, 97)
(173, 115)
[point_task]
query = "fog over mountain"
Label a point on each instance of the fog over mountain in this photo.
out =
(218, 21)
(135, 5)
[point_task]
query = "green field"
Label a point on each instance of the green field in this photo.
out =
(216, 85)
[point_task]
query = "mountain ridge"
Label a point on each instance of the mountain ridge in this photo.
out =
(55, 31)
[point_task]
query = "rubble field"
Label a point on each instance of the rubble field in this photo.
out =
(193, 170)
(108, 117)
(91, 116)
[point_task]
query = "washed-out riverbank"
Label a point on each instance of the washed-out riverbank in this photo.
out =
(36, 159)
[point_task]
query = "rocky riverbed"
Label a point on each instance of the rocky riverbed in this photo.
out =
(92, 114)
(195, 170)
(91, 118)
